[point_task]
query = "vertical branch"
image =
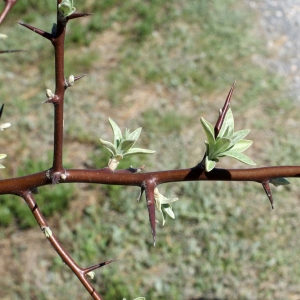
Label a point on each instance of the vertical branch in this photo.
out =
(58, 44)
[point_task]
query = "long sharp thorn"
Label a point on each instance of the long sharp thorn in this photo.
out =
(38, 31)
(1, 110)
(151, 210)
(224, 111)
(267, 189)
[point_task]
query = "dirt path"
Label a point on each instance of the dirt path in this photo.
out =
(280, 21)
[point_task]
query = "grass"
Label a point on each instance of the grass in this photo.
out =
(160, 65)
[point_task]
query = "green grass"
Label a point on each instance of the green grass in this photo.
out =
(160, 65)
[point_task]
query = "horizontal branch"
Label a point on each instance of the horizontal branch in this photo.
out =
(125, 177)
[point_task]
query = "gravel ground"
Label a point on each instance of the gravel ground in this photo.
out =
(280, 21)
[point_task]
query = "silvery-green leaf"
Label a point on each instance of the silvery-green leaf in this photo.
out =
(164, 216)
(238, 135)
(209, 164)
(279, 181)
(2, 167)
(139, 298)
(2, 156)
(109, 146)
(168, 209)
(126, 145)
(138, 151)
(239, 156)
(242, 145)
(66, 8)
(166, 200)
(209, 131)
(135, 134)
(228, 125)
(127, 133)
(117, 132)
(221, 145)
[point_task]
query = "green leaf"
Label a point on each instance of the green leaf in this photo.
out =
(2, 167)
(66, 8)
(138, 151)
(209, 164)
(279, 181)
(239, 156)
(221, 145)
(168, 209)
(227, 128)
(126, 145)
(117, 132)
(109, 146)
(135, 134)
(242, 145)
(2, 156)
(238, 135)
(209, 131)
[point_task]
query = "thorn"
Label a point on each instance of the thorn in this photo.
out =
(1, 110)
(38, 31)
(87, 270)
(11, 51)
(78, 15)
(79, 77)
(267, 189)
(152, 219)
(223, 111)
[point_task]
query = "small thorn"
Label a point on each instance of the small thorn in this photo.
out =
(79, 77)
(38, 31)
(78, 15)
(267, 189)
(1, 110)
(87, 270)
(11, 51)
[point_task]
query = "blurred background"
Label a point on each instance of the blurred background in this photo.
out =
(160, 65)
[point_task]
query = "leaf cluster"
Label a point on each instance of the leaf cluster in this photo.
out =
(122, 145)
(227, 142)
